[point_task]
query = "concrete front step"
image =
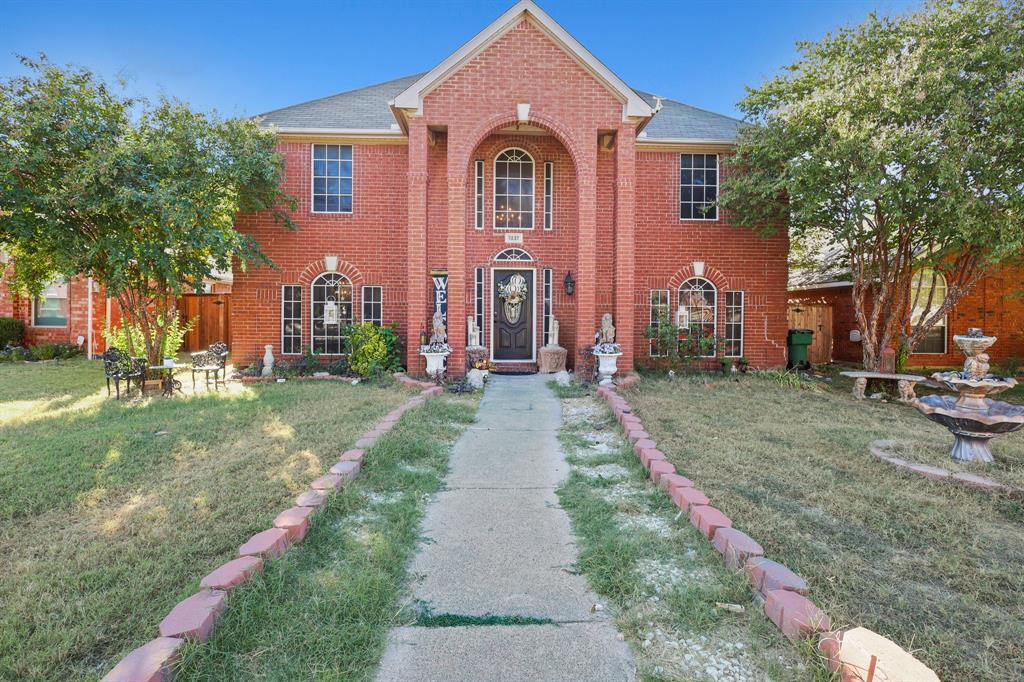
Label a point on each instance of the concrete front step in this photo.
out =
(515, 368)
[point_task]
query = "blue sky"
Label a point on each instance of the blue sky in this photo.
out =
(243, 58)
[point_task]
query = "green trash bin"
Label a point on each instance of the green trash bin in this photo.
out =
(797, 342)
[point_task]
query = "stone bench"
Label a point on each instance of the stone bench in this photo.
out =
(904, 382)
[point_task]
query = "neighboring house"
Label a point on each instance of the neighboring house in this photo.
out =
(822, 300)
(67, 313)
(521, 153)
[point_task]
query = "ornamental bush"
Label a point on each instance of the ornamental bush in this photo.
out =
(129, 337)
(371, 349)
(51, 351)
(12, 331)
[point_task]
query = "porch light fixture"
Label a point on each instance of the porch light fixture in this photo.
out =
(570, 283)
(331, 263)
(698, 268)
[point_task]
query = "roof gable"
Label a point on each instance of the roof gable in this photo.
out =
(411, 99)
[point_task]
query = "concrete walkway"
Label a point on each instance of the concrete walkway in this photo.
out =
(499, 545)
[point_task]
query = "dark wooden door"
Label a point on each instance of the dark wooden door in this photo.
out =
(513, 314)
(213, 312)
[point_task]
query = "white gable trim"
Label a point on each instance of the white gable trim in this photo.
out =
(411, 99)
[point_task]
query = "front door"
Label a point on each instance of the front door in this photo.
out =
(513, 314)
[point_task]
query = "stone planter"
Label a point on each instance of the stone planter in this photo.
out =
(607, 366)
(435, 362)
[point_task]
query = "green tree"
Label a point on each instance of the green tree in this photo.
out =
(900, 144)
(142, 196)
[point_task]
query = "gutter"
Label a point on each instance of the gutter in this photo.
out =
(823, 285)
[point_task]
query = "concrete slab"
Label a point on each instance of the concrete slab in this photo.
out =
(507, 653)
(500, 545)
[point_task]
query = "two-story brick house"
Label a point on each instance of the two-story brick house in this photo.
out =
(521, 153)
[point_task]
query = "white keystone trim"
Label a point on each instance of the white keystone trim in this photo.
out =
(412, 97)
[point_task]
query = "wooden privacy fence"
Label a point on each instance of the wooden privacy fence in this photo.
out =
(213, 311)
(817, 318)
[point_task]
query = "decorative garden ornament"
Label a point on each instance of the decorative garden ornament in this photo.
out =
(606, 350)
(512, 294)
(472, 333)
(331, 311)
(607, 329)
(440, 332)
(973, 417)
(553, 333)
(268, 361)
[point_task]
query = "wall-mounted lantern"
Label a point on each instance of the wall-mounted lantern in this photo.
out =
(570, 283)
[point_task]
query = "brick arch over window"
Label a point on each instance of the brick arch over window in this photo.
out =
(486, 128)
(714, 275)
(316, 268)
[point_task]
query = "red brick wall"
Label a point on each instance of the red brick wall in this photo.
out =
(78, 325)
(369, 243)
(996, 304)
(414, 211)
(736, 259)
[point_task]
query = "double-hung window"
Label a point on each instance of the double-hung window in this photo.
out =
(332, 178)
(698, 186)
(929, 286)
(513, 190)
(733, 324)
(52, 309)
(660, 314)
(373, 304)
(291, 319)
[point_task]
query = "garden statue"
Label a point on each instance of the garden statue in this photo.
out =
(268, 361)
(607, 333)
(472, 333)
(440, 333)
(551, 356)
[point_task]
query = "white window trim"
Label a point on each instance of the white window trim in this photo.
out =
(498, 257)
(650, 313)
(312, 317)
(494, 192)
(679, 187)
(52, 326)
(283, 287)
(362, 302)
(743, 321)
(480, 300)
(549, 196)
(479, 195)
(312, 179)
(714, 331)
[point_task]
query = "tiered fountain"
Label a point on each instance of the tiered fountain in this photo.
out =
(973, 417)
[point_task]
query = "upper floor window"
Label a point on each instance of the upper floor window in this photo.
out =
(52, 309)
(698, 186)
(513, 190)
(332, 178)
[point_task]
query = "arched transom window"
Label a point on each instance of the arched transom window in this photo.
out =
(513, 190)
(698, 310)
(513, 255)
(332, 311)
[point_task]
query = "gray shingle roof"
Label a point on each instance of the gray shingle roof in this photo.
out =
(678, 121)
(363, 108)
(367, 108)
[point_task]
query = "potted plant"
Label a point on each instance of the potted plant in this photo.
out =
(607, 355)
(744, 364)
(436, 353)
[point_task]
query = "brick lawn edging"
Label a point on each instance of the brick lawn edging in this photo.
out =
(882, 450)
(194, 618)
(855, 654)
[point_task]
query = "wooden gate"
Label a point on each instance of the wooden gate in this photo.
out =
(818, 318)
(213, 311)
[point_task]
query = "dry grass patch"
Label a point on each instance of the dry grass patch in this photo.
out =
(110, 512)
(933, 566)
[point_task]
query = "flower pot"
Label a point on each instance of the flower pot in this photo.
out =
(435, 362)
(607, 366)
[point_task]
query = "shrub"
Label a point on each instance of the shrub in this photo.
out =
(14, 354)
(174, 337)
(372, 349)
(12, 331)
(51, 351)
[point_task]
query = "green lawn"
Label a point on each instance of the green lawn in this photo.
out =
(110, 512)
(935, 567)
